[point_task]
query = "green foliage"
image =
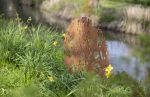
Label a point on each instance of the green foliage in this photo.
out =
(120, 85)
(37, 1)
(29, 59)
(142, 2)
(28, 55)
(143, 51)
(112, 4)
(107, 18)
(29, 49)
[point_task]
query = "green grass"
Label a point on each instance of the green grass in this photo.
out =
(141, 2)
(112, 4)
(29, 57)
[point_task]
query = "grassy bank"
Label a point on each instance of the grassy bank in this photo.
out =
(31, 65)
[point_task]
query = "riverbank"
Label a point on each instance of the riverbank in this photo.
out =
(111, 15)
(124, 17)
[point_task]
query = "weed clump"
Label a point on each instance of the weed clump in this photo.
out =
(84, 50)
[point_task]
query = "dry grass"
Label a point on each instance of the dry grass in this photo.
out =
(137, 13)
(125, 17)
(83, 48)
(136, 19)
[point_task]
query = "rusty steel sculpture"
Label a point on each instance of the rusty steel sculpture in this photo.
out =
(84, 49)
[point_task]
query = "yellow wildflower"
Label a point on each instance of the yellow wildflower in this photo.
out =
(108, 70)
(33, 29)
(25, 27)
(29, 19)
(50, 78)
(63, 35)
(55, 43)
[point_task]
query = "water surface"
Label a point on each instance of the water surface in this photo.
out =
(123, 58)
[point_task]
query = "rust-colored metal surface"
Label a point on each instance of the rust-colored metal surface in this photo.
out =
(84, 49)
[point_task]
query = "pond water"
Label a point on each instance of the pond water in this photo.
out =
(123, 58)
(120, 46)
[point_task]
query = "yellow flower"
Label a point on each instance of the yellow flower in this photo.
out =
(25, 27)
(108, 70)
(64, 35)
(55, 43)
(50, 78)
(33, 29)
(29, 19)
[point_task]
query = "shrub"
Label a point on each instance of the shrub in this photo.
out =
(84, 50)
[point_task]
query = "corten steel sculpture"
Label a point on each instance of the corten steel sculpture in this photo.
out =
(84, 49)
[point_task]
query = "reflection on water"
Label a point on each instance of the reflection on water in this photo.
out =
(117, 48)
(122, 59)
(8, 7)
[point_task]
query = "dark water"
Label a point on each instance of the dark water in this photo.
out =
(120, 46)
(8, 7)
